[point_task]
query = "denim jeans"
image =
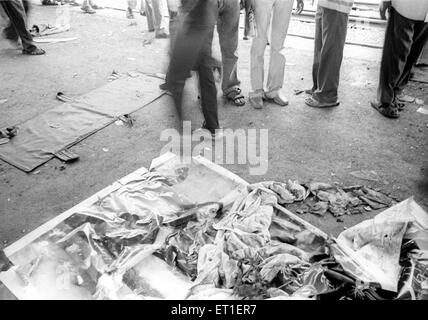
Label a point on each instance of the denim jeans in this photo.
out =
(265, 11)
(228, 32)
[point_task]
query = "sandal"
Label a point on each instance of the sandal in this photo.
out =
(387, 111)
(311, 102)
(35, 52)
(236, 97)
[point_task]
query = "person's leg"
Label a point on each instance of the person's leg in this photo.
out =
(317, 47)
(420, 38)
(159, 20)
(396, 49)
(280, 22)
(247, 6)
(149, 15)
(14, 9)
(9, 31)
(132, 4)
(263, 13)
(228, 31)
(87, 7)
(190, 50)
(185, 55)
(208, 87)
(334, 29)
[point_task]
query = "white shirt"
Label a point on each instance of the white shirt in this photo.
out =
(412, 9)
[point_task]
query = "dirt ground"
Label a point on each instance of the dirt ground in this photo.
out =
(304, 143)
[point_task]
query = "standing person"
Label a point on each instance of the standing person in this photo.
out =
(192, 50)
(331, 25)
(16, 12)
(155, 19)
(277, 14)
(405, 37)
(228, 32)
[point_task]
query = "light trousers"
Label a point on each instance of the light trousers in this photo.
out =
(154, 13)
(275, 14)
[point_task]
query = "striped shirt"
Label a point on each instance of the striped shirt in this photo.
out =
(338, 5)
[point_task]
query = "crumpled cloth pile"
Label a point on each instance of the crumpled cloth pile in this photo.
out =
(319, 198)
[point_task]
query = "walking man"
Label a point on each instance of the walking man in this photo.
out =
(405, 37)
(192, 51)
(331, 25)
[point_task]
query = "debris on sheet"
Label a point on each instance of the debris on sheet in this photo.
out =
(7, 134)
(366, 175)
(319, 198)
(3, 100)
(248, 249)
(105, 149)
(47, 29)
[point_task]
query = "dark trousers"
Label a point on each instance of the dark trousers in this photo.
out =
(16, 11)
(404, 41)
(228, 34)
(330, 36)
(192, 51)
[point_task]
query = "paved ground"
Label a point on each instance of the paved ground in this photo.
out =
(304, 144)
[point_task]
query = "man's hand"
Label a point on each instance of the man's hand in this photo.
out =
(383, 7)
(300, 6)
